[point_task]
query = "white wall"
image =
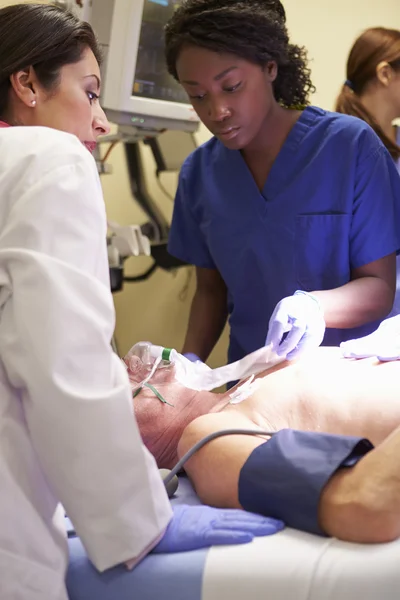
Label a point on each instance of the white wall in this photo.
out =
(157, 310)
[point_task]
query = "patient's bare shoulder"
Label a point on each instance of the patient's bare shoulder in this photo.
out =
(214, 470)
(207, 424)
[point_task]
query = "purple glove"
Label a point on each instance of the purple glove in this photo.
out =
(384, 343)
(301, 317)
(194, 527)
(192, 357)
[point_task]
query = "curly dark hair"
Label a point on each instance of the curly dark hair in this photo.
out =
(255, 30)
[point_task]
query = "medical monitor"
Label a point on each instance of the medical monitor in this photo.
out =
(137, 90)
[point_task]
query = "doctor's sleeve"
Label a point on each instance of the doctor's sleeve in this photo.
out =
(57, 320)
(375, 229)
(186, 239)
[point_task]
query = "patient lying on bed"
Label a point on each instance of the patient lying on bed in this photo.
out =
(322, 392)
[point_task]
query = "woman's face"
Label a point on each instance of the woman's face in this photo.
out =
(231, 96)
(395, 92)
(73, 106)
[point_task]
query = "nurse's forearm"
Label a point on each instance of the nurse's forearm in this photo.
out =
(359, 301)
(207, 320)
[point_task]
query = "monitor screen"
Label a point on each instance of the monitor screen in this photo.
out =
(137, 91)
(152, 79)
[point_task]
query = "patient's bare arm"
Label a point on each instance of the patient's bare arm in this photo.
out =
(362, 504)
(359, 504)
(214, 470)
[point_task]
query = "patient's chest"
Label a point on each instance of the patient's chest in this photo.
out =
(328, 393)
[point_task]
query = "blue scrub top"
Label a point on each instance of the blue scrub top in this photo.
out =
(396, 304)
(330, 204)
(398, 143)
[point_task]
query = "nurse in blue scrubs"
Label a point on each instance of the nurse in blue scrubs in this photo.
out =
(289, 211)
(372, 93)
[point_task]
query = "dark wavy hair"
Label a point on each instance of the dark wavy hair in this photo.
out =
(253, 30)
(45, 37)
(375, 45)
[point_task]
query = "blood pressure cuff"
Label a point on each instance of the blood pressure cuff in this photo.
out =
(284, 477)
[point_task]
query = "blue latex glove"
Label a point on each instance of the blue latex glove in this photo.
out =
(192, 357)
(384, 343)
(301, 317)
(194, 527)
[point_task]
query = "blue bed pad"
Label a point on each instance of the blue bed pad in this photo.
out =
(177, 576)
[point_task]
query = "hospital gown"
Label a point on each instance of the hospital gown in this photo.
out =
(329, 205)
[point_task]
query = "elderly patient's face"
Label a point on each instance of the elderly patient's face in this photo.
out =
(161, 425)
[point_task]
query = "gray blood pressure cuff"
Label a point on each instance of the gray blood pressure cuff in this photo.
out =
(284, 477)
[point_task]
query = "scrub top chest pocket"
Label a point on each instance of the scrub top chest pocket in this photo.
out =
(322, 250)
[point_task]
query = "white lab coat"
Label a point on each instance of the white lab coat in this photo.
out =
(67, 432)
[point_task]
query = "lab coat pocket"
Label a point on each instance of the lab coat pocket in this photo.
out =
(322, 251)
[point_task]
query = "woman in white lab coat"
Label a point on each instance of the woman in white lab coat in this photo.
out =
(371, 92)
(67, 433)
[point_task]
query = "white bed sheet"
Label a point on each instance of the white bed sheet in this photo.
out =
(293, 565)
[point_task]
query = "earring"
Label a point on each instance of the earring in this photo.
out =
(33, 102)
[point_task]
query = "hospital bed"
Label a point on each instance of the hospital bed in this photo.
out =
(288, 566)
